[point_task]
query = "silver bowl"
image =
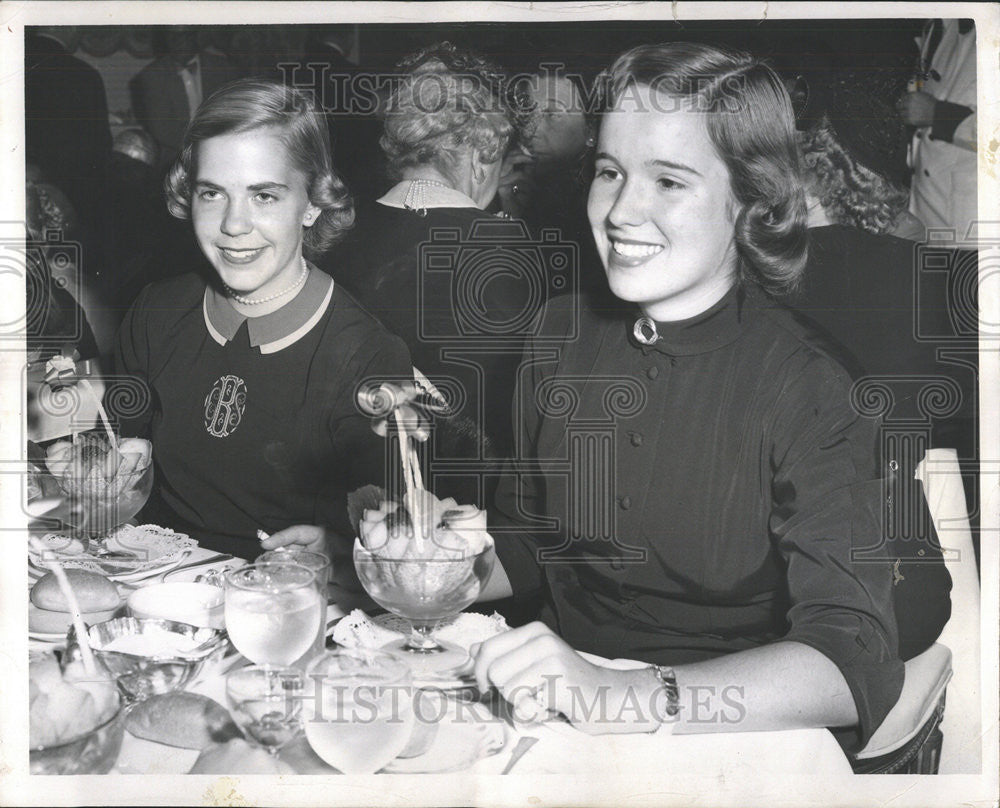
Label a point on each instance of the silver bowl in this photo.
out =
(141, 676)
(91, 752)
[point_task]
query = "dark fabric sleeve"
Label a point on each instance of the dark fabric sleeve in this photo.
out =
(362, 451)
(520, 491)
(128, 396)
(947, 117)
(826, 502)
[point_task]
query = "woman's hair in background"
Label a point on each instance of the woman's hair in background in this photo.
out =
(850, 193)
(250, 104)
(47, 208)
(751, 124)
(450, 101)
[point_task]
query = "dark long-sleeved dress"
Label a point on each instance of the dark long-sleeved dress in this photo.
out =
(701, 496)
(253, 421)
(889, 302)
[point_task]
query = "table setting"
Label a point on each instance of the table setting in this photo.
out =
(153, 655)
(181, 633)
(449, 727)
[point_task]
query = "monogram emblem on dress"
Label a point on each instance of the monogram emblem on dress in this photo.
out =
(224, 406)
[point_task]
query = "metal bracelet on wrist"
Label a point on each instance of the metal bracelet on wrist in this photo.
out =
(668, 681)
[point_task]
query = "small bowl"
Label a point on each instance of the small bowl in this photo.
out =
(92, 752)
(94, 506)
(198, 604)
(141, 676)
(423, 589)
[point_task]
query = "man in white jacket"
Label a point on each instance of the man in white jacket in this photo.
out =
(942, 105)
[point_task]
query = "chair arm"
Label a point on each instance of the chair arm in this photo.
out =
(925, 679)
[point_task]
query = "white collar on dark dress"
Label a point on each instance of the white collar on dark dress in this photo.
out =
(423, 195)
(279, 329)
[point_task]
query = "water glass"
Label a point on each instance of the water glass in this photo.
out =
(361, 712)
(321, 566)
(273, 612)
(266, 702)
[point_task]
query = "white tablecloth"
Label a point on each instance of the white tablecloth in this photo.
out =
(561, 749)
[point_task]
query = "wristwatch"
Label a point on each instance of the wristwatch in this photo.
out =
(668, 681)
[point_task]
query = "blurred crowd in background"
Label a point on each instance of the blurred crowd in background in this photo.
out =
(876, 102)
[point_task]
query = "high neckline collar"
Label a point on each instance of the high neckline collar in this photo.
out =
(712, 329)
(278, 329)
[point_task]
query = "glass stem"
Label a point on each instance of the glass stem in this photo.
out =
(420, 639)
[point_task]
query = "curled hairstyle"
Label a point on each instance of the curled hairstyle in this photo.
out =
(751, 124)
(447, 102)
(251, 104)
(850, 193)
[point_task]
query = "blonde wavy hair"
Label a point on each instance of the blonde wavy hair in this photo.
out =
(251, 104)
(850, 193)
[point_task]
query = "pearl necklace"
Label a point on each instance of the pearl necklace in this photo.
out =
(251, 301)
(416, 195)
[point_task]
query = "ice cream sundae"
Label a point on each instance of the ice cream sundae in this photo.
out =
(421, 558)
(105, 481)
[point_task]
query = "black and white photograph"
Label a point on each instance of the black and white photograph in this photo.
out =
(499, 404)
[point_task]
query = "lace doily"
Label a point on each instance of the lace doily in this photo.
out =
(358, 630)
(135, 548)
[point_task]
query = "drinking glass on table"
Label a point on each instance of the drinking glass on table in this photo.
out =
(321, 566)
(273, 611)
(266, 702)
(361, 712)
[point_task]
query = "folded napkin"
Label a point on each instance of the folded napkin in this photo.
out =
(358, 630)
(54, 408)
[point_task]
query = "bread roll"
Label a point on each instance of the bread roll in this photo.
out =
(66, 704)
(93, 591)
(45, 621)
(238, 757)
(182, 719)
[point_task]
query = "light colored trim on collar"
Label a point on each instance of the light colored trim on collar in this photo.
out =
(301, 331)
(434, 196)
(208, 322)
(301, 314)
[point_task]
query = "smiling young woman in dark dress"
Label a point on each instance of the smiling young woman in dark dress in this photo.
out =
(253, 365)
(717, 544)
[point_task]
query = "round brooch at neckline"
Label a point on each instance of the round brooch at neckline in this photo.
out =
(645, 331)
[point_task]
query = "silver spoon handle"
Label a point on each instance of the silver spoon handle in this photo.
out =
(213, 559)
